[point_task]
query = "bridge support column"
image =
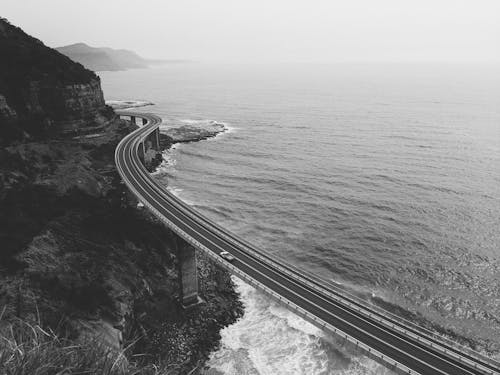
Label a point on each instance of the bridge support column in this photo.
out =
(144, 121)
(142, 151)
(157, 139)
(132, 120)
(188, 274)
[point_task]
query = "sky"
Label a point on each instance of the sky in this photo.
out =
(261, 31)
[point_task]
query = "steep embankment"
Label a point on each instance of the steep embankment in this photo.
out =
(75, 252)
(44, 93)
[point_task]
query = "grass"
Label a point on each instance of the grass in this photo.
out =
(29, 349)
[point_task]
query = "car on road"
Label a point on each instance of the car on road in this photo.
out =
(226, 256)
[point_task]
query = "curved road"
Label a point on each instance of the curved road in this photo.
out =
(400, 345)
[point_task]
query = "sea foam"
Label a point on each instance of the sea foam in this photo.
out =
(269, 339)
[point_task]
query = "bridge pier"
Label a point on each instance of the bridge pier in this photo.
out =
(151, 148)
(132, 120)
(157, 139)
(142, 152)
(188, 274)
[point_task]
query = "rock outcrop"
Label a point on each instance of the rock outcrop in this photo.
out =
(195, 132)
(69, 108)
(43, 93)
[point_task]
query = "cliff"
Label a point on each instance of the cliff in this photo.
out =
(75, 251)
(42, 92)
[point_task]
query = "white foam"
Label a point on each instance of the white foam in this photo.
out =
(169, 159)
(178, 192)
(269, 339)
(295, 321)
(230, 129)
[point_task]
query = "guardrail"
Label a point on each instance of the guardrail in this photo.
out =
(364, 308)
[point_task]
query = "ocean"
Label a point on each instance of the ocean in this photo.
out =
(382, 178)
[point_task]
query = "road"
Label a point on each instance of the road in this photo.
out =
(398, 344)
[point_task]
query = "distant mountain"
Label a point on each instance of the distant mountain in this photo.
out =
(103, 58)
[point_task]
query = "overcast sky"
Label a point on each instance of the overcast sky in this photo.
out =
(271, 30)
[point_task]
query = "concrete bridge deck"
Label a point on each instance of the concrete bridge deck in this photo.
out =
(400, 345)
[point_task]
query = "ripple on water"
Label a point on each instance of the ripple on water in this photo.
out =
(374, 178)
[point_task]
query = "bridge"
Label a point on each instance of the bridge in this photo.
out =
(400, 345)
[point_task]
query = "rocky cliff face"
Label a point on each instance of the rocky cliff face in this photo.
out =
(69, 109)
(43, 93)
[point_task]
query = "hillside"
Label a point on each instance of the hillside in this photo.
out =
(76, 253)
(43, 92)
(104, 58)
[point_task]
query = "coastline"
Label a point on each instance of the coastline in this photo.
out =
(212, 279)
(393, 307)
(97, 267)
(350, 226)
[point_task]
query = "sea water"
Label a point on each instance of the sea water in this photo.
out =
(382, 178)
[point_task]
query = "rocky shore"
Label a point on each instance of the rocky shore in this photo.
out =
(76, 254)
(194, 133)
(176, 131)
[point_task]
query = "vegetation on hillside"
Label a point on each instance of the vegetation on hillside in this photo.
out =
(28, 349)
(30, 76)
(25, 59)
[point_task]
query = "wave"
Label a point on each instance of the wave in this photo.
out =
(374, 194)
(270, 339)
(178, 192)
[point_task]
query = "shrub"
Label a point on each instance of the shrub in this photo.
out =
(29, 349)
